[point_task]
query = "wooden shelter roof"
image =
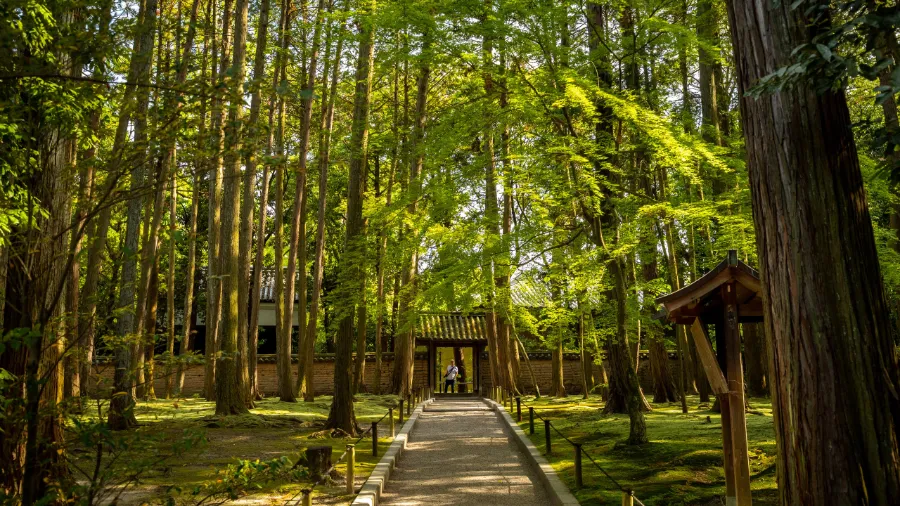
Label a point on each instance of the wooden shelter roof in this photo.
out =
(452, 328)
(702, 297)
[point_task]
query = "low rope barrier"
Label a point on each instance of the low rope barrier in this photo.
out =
(578, 448)
(307, 492)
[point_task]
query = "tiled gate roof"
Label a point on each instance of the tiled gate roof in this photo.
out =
(451, 327)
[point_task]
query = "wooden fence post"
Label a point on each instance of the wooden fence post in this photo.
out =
(579, 482)
(307, 498)
(531, 419)
(547, 434)
(351, 465)
(401, 411)
(518, 409)
(374, 439)
(391, 416)
(627, 498)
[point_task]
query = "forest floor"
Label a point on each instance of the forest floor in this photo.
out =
(183, 451)
(681, 465)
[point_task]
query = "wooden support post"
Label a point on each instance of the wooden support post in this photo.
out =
(579, 482)
(351, 465)
(408, 405)
(374, 439)
(531, 420)
(518, 409)
(736, 396)
(724, 403)
(708, 358)
(547, 435)
(307, 497)
(391, 416)
(401, 411)
(627, 498)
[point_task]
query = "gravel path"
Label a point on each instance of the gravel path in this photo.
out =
(458, 453)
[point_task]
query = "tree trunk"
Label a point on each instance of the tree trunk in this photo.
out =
(307, 387)
(307, 341)
(283, 317)
(625, 394)
(249, 331)
(187, 338)
(833, 366)
(755, 360)
(404, 351)
(231, 375)
(120, 415)
(587, 373)
(707, 32)
(170, 291)
(663, 385)
(214, 267)
(558, 387)
(341, 415)
(150, 328)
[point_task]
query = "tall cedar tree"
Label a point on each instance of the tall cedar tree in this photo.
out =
(836, 417)
(341, 415)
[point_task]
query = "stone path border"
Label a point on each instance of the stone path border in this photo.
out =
(371, 490)
(557, 490)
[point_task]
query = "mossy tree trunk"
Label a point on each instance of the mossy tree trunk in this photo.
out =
(341, 415)
(231, 376)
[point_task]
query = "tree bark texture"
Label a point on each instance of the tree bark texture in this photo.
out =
(833, 367)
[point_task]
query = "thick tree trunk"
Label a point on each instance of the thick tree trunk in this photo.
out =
(755, 360)
(231, 372)
(833, 366)
(663, 385)
(625, 394)
(341, 415)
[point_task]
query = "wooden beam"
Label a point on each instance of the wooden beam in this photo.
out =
(708, 358)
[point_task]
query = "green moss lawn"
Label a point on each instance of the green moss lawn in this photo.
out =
(210, 444)
(682, 463)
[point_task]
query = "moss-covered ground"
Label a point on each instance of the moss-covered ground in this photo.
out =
(273, 430)
(681, 465)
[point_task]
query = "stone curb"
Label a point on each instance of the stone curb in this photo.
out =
(370, 493)
(559, 493)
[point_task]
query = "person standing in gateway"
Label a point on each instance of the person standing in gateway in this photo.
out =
(450, 377)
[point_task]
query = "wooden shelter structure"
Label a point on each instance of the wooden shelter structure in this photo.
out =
(726, 296)
(453, 330)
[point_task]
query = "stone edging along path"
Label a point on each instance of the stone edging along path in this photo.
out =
(557, 490)
(559, 494)
(371, 490)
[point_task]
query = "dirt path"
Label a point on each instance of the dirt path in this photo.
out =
(458, 453)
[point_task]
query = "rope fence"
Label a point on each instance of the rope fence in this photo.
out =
(502, 397)
(305, 495)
